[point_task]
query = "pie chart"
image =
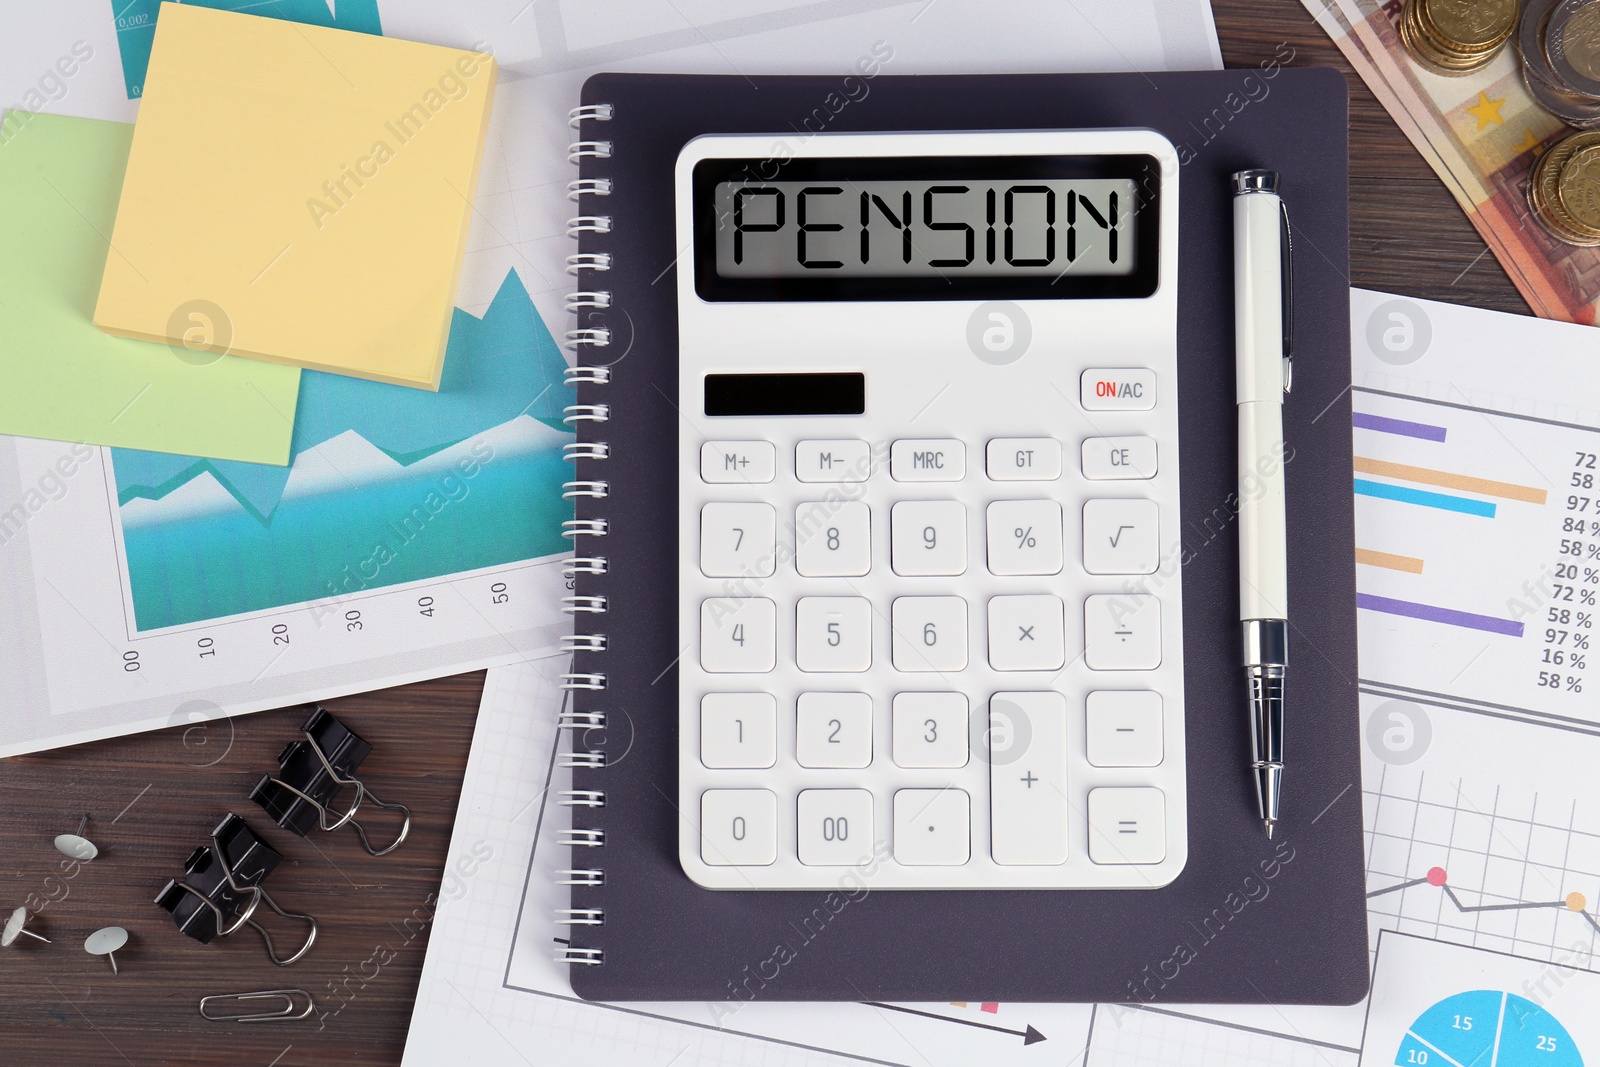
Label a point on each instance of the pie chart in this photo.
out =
(1484, 1027)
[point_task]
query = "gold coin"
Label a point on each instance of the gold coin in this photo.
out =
(1543, 196)
(1578, 188)
(1432, 51)
(1471, 25)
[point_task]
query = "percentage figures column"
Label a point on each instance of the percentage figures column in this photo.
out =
(1569, 619)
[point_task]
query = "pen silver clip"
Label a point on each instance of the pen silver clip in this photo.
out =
(1286, 250)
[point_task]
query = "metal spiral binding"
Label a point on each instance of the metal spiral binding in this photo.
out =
(581, 187)
(590, 112)
(588, 150)
(589, 302)
(588, 224)
(595, 336)
(588, 261)
(577, 302)
(580, 917)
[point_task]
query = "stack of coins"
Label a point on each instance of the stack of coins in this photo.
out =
(1455, 37)
(1559, 42)
(1564, 189)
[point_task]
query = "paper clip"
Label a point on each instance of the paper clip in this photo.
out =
(220, 889)
(290, 1006)
(311, 771)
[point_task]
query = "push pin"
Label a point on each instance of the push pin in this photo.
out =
(105, 942)
(13, 929)
(220, 889)
(76, 846)
(311, 771)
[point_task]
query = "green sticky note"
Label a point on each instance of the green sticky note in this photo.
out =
(60, 377)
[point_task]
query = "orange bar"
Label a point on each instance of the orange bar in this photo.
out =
(1427, 476)
(1374, 558)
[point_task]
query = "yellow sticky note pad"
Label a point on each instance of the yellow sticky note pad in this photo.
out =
(310, 187)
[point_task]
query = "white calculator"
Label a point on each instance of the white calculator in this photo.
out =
(931, 605)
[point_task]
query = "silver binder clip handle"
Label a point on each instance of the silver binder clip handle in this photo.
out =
(362, 794)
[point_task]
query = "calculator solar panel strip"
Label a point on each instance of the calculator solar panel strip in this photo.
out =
(928, 456)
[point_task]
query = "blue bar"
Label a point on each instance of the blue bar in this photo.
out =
(1407, 495)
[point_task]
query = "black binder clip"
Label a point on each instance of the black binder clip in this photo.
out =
(311, 771)
(220, 889)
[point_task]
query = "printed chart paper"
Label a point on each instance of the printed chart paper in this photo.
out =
(1478, 792)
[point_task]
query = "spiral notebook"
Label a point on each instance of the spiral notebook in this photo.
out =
(1245, 919)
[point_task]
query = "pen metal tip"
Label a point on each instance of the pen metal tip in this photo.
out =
(1270, 824)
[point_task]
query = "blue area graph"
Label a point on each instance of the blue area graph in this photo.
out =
(385, 485)
(136, 25)
(1484, 1027)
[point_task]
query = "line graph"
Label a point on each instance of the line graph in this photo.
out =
(1438, 877)
(1492, 867)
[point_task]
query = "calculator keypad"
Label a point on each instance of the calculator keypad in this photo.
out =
(886, 634)
(931, 726)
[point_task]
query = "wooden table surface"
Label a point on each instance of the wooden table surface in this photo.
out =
(154, 797)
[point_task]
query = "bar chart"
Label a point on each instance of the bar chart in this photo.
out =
(1478, 549)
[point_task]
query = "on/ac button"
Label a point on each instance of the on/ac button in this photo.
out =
(1117, 389)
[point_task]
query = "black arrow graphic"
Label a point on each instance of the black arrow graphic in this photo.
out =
(1030, 1036)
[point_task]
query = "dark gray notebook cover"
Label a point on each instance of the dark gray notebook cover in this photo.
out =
(1248, 920)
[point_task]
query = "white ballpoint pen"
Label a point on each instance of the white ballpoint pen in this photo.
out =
(1262, 328)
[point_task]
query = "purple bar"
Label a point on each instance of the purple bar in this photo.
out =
(1448, 616)
(1363, 421)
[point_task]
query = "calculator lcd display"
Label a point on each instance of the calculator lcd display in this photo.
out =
(921, 228)
(926, 229)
